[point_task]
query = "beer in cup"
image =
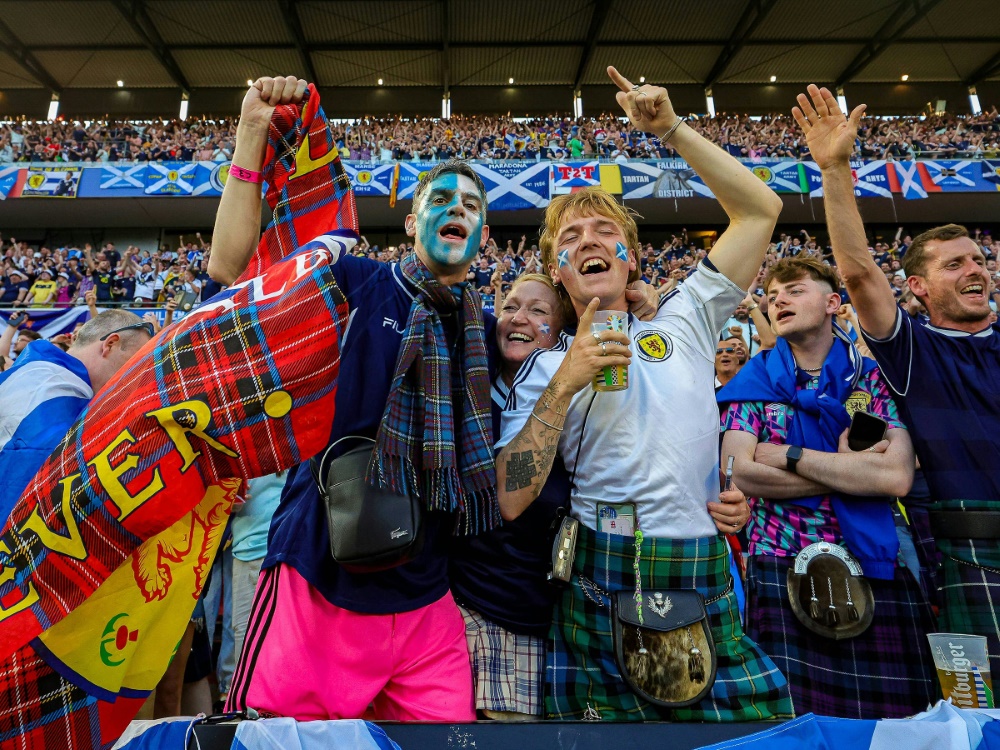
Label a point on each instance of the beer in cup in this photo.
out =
(613, 377)
(963, 669)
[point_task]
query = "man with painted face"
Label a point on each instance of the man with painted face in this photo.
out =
(324, 643)
(646, 457)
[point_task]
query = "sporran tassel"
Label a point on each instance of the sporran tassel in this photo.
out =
(852, 611)
(696, 662)
(832, 616)
(642, 665)
(813, 601)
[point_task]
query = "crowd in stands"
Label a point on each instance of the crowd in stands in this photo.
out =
(606, 137)
(42, 277)
(643, 529)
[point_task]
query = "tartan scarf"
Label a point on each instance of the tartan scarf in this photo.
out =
(435, 441)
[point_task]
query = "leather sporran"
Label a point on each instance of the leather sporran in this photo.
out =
(668, 660)
(828, 593)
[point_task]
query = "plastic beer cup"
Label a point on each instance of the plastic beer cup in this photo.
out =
(963, 669)
(613, 377)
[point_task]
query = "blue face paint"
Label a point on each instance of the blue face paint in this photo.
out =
(621, 252)
(563, 258)
(437, 210)
(544, 328)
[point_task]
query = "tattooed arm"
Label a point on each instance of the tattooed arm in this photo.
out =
(525, 461)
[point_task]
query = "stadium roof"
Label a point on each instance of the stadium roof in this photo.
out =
(185, 45)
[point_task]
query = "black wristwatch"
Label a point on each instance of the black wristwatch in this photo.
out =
(792, 457)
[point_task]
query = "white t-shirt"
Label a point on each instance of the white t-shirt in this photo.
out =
(657, 443)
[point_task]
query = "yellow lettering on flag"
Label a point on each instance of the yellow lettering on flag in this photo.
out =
(125, 633)
(304, 163)
(611, 178)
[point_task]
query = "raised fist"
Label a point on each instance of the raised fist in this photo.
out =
(267, 93)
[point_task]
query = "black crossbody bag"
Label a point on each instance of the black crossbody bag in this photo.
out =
(371, 528)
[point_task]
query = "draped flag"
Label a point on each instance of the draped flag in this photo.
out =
(106, 552)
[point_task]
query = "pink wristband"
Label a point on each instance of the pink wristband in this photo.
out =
(245, 175)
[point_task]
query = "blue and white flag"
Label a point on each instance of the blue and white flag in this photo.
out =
(991, 172)
(409, 176)
(369, 178)
(515, 186)
(161, 734)
(170, 178)
(956, 176)
(123, 177)
(638, 179)
(43, 393)
(943, 726)
(49, 322)
(288, 734)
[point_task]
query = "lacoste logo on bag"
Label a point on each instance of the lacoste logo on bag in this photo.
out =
(397, 533)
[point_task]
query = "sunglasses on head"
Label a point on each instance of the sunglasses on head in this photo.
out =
(144, 326)
(727, 350)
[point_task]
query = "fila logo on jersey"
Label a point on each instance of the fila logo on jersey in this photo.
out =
(654, 346)
(393, 324)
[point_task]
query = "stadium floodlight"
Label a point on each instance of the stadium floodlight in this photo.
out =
(577, 104)
(53, 108)
(379, 81)
(904, 78)
(710, 102)
(642, 79)
(183, 114)
(446, 106)
(774, 78)
(510, 80)
(121, 83)
(842, 101)
(974, 104)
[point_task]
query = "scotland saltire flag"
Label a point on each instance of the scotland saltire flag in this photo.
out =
(123, 177)
(911, 179)
(991, 172)
(170, 178)
(513, 186)
(638, 179)
(955, 176)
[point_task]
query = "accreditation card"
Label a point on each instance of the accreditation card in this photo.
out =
(616, 518)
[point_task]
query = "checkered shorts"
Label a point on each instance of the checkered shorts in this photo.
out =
(508, 669)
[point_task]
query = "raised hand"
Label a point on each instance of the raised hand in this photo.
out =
(648, 107)
(829, 134)
(267, 93)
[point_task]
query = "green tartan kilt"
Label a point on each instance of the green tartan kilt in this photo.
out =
(969, 583)
(581, 672)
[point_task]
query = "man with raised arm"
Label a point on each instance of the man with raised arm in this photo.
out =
(945, 376)
(644, 462)
(323, 642)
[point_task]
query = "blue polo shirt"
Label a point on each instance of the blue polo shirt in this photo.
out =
(946, 385)
(379, 300)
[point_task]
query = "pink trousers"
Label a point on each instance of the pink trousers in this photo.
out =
(308, 659)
